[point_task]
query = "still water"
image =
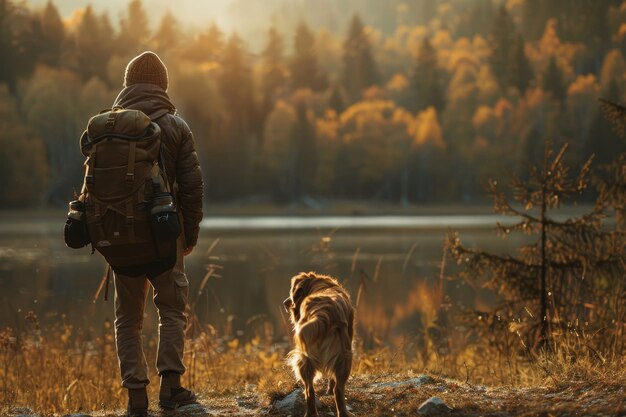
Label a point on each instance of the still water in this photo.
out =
(252, 260)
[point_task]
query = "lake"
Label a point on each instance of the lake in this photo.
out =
(395, 261)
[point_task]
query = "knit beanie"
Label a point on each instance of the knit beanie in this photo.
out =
(146, 68)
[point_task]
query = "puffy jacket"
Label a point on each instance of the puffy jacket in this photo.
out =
(179, 153)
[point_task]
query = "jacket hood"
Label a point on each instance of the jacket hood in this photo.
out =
(148, 98)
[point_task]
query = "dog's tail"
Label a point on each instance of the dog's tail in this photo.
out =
(312, 330)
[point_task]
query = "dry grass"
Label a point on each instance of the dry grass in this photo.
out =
(69, 370)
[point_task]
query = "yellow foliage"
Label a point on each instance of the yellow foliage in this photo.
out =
(613, 68)
(584, 86)
(482, 116)
(397, 83)
(442, 39)
(427, 130)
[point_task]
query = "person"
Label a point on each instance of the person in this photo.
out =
(145, 89)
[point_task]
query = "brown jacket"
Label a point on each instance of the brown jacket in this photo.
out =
(179, 153)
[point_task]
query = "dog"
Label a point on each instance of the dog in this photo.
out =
(323, 320)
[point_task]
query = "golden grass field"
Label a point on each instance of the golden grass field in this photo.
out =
(69, 370)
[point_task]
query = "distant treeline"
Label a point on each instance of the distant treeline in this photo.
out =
(420, 107)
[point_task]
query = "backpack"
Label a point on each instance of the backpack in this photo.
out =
(125, 209)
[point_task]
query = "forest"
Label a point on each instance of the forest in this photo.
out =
(410, 102)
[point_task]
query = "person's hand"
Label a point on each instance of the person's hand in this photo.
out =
(188, 250)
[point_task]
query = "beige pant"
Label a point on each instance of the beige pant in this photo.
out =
(171, 290)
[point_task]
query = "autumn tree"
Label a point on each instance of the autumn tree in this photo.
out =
(359, 68)
(569, 274)
(427, 81)
(305, 71)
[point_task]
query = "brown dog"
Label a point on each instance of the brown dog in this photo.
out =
(322, 317)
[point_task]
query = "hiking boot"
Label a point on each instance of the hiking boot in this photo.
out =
(172, 395)
(137, 403)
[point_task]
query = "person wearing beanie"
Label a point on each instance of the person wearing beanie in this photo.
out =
(145, 88)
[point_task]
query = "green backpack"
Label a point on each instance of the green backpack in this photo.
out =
(126, 208)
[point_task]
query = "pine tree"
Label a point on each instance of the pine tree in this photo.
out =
(535, 14)
(207, 45)
(337, 101)
(359, 68)
(611, 180)
(240, 128)
(53, 33)
(427, 84)
(502, 39)
(521, 73)
(7, 53)
(274, 73)
(134, 28)
(90, 43)
(553, 82)
(304, 151)
(305, 72)
(572, 265)
(168, 34)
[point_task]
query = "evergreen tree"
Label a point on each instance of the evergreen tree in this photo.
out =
(477, 20)
(274, 73)
(90, 46)
(337, 101)
(7, 52)
(427, 84)
(53, 35)
(305, 72)
(359, 68)
(304, 151)
(553, 82)
(611, 181)
(502, 39)
(168, 33)
(520, 71)
(572, 264)
(241, 125)
(535, 14)
(134, 28)
(207, 46)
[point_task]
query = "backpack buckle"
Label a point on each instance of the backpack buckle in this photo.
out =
(110, 123)
(130, 177)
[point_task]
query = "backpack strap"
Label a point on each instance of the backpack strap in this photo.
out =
(130, 219)
(130, 170)
(162, 164)
(91, 162)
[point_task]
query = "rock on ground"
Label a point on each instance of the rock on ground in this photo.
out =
(434, 405)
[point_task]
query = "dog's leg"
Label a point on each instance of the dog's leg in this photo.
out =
(331, 386)
(342, 372)
(307, 373)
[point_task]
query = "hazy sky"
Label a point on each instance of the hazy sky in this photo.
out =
(194, 12)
